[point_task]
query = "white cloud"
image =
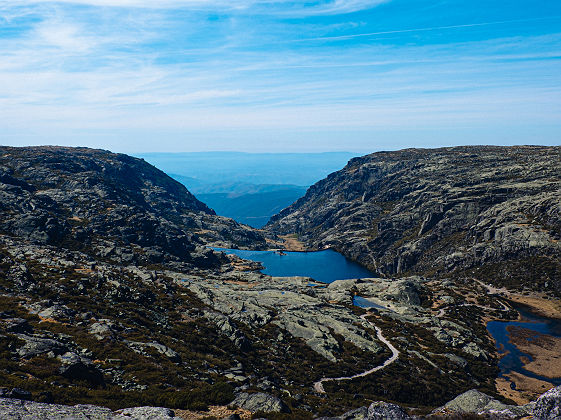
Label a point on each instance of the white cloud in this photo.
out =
(299, 7)
(425, 29)
(123, 68)
(348, 6)
(65, 36)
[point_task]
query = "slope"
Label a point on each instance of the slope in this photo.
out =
(494, 211)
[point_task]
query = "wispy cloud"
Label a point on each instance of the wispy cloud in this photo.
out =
(286, 7)
(211, 69)
(428, 29)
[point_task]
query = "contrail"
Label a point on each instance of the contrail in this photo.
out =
(434, 28)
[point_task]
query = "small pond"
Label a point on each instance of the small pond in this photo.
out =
(512, 357)
(323, 266)
(365, 303)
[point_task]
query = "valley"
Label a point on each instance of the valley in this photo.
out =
(120, 288)
(248, 187)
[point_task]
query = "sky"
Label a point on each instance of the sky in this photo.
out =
(140, 76)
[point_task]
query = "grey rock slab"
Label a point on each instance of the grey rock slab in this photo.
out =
(477, 402)
(145, 413)
(260, 402)
(28, 410)
(376, 411)
(70, 358)
(288, 303)
(34, 346)
(14, 409)
(140, 347)
(99, 330)
(548, 406)
(57, 312)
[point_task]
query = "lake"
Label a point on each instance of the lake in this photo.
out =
(511, 360)
(323, 266)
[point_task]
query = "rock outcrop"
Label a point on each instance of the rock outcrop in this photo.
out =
(89, 311)
(476, 402)
(27, 410)
(496, 209)
(260, 402)
(548, 406)
(473, 402)
(298, 310)
(376, 411)
(109, 206)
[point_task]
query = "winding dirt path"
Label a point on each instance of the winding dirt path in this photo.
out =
(442, 311)
(318, 386)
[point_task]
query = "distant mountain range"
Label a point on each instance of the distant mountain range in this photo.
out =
(254, 209)
(248, 187)
(251, 168)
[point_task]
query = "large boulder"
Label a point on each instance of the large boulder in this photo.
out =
(378, 410)
(386, 411)
(260, 402)
(28, 410)
(476, 402)
(57, 312)
(34, 346)
(548, 406)
(104, 328)
(82, 370)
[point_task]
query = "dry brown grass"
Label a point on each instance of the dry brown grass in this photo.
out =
(291, 243)
(544, 349)
(527, 389)
(216, 411)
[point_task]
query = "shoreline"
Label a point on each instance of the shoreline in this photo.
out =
(288, 243)
(527, 388)
(544, 349)
(548, 308)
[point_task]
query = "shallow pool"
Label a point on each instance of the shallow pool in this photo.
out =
(512, 357)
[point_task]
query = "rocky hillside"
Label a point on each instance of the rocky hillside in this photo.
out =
(108, 296)
(110, 206)
(89, 310)
(490, 211)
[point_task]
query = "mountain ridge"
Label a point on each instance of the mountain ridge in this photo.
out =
(417, 211)
(77, 198)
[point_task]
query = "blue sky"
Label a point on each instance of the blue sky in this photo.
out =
(260, 75)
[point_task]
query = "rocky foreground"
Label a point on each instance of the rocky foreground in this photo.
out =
(110, 295)
(475, 403)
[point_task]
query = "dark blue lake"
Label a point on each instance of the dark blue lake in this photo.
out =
(323, 266)
(511, 360)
